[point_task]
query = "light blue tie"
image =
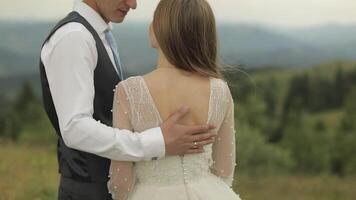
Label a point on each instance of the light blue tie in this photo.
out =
(112, 43)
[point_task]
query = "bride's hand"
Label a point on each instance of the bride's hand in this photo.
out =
(183, 139)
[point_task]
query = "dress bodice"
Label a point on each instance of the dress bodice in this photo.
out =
(139, 113)
(145, 115)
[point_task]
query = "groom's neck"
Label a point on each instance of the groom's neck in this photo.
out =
(93, 4)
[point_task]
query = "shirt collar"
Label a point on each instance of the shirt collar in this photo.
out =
(94, 19)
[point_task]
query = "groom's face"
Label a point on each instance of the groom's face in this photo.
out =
(115, 10)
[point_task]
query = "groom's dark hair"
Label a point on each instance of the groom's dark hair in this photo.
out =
(186, 33)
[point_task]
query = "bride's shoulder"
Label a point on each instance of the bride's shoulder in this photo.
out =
(222, 87)
(131, 81)
(220, 82)
(129, 88)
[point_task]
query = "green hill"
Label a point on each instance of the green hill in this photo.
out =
(304, 118)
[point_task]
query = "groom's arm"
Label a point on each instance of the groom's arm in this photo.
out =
(70, 59)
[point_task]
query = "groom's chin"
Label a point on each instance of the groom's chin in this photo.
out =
(117, 17)
(118, 20)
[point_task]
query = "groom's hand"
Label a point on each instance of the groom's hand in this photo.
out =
(183, 139)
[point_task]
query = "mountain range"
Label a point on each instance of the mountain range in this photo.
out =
(247, 45)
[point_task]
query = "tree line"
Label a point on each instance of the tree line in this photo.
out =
(309, 127)
(305, 123)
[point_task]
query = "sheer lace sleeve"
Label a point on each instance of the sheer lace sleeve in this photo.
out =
(122, 177)
(224, 147)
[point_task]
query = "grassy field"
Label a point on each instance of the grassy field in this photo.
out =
(29, 172)
(296, 188)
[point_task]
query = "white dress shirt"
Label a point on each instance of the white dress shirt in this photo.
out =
(70, 57)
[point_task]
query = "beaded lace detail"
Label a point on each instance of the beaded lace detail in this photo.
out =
(134, 109)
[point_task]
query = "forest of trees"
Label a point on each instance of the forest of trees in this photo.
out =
(302, 122)
(24, 111)
(305, 124)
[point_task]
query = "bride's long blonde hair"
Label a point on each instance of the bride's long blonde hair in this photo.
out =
(186, 33)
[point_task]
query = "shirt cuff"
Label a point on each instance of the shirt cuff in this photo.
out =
(153, 144)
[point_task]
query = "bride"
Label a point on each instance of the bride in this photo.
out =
(187, 73)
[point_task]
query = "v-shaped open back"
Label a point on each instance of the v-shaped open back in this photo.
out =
(154, 105)
(193, 176)
(143, 107)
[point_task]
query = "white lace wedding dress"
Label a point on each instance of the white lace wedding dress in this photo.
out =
(205, 176)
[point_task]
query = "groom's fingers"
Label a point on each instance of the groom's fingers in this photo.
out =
(198, 147)
(203, 143)
(194, 151)
(199, 129)
(176, 116)
(203, 137)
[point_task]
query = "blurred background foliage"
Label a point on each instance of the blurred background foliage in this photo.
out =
(297, 120)
(291, 123)
(293, 82)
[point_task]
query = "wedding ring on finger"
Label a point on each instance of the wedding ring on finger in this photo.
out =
(195, 145)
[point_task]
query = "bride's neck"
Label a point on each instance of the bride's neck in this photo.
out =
(163, 62)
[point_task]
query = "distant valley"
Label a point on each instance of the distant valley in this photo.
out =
(249, 46)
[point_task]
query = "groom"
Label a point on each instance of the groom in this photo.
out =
(79, 69)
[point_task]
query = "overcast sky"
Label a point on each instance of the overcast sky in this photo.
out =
(267, 12)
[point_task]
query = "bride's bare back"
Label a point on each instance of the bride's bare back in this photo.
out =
(171, 89)
(143, 103)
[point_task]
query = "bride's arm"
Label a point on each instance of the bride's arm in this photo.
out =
(224, 145)
(122, 176)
